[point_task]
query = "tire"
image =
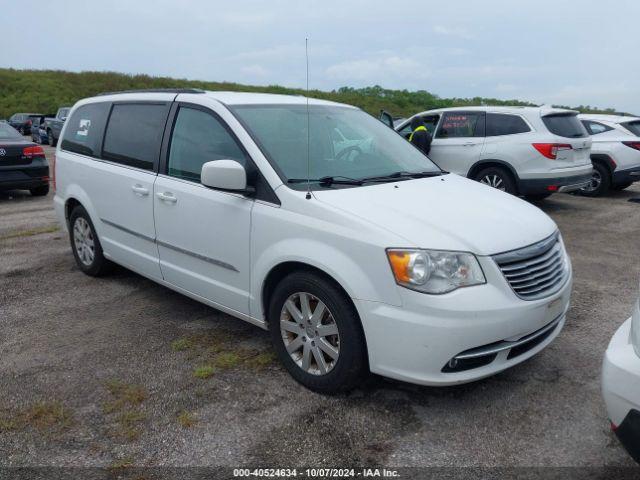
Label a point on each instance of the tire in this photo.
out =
(621, 186)
(94, 265)
(40, 191)
(600, 182)
(21, 130)
(498, 178)
(537, 197)
(51, 139)
(347, 366)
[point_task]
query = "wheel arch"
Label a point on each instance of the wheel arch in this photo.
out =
(605, 160)
(487, 163)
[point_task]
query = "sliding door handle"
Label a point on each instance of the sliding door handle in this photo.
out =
(166, 197)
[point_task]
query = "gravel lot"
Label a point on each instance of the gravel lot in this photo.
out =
(107, 372)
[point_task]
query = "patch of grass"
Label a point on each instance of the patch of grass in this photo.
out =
(204, 371)
(187, 419)
(261, 360)
(41, 416)
(226, 360)
(125, 403)
(31, 232)
(181, 344)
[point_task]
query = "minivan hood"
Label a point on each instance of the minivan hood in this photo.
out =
(447, 212)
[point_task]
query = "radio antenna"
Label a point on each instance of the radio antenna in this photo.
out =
(306, 53)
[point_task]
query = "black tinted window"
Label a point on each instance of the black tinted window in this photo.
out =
(565, 125)
(633, 127)
(461, 124)
(503, 124)
(198, 137)
(83, 133)
(134, 134)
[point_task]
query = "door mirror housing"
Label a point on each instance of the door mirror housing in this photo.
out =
(226, 175)
(387, 119)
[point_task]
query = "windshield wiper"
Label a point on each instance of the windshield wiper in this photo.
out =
(328, 181)
(403, 175)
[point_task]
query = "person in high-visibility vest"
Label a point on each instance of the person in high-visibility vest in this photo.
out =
(420, 136)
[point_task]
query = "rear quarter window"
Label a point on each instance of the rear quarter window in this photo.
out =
(633, 127)
(565, 125)
(594, 128)
(134, 134)
(84, 129)
(505, 124)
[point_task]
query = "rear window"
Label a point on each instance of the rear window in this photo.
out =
(565, 125)
(7, 132)
(633, 127)
(504, 124)
(134, 134)
(84, 129)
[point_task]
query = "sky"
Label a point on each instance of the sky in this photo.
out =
(573, 52)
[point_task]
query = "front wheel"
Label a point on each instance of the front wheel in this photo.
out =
(317, 334)
(600, 182)
(86, 245)
(497, 178)
(51, 139)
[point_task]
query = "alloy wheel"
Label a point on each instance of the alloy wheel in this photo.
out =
(494, 181)
(310, 333)
(596, 181)
(83, 241)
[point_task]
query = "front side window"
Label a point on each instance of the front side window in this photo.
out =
(369, 147)
(199, 137)
(83, 133)
(504, 124)
(461, 124)
(565, 125)
(134, 134)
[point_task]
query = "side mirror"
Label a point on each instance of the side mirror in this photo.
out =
(227, 175)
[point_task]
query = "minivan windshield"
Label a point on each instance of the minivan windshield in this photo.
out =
(565, 125)
(345, 144)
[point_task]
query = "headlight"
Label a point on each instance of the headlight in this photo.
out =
(434, 271)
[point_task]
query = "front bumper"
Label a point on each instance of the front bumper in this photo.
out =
(621, 388)
(553, 184)
(628, 175)
(416, 341)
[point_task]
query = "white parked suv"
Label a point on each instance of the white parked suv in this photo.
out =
(621, 383)
(364, 257)
(527, 151)
(615, 152)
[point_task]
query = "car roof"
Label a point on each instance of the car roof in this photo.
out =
(608, 118)
(543, 110)
(225, 97)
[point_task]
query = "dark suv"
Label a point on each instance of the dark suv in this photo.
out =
(22, 122)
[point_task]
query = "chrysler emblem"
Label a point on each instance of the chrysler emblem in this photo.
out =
(3, 152)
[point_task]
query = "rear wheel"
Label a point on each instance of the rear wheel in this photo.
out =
(86, 245)
(50, 139)
(600, 182)
(40, 191)
(498, 178)
(317, 334)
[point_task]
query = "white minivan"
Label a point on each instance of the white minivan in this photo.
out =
(527, 151)
(318, 223)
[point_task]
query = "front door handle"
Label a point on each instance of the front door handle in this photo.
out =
(469, 144)
(166, 197)
(140, 190)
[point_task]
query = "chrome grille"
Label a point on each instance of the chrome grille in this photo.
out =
(536, 271)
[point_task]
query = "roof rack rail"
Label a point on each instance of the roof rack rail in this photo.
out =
(156, 90)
